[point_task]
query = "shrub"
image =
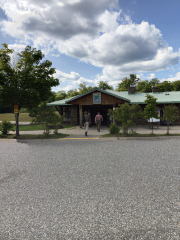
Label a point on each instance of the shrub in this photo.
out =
(127, 114)
(132, 132)
(6, 126)
(46, 116)
(114, 128)
(24, 110)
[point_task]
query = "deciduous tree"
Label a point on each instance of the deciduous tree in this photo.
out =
(127, 114)
(126, 82)
(150, 109)
(29, 82)
(171, 113)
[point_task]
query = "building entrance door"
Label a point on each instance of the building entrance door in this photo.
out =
(93, 110)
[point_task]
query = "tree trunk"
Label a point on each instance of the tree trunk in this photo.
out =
(167, 128)
(152, 126)
(17, 124)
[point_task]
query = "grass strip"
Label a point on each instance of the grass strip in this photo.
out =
(33, 136)
(139, 135)
(39, 127)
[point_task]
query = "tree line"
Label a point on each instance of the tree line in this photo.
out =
(141, 86)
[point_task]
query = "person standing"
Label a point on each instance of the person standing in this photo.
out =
(98, 119)
(86, 122)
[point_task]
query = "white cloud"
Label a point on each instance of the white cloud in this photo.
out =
(151, 76)
(171, 79)
(63, 77)
(88, 31)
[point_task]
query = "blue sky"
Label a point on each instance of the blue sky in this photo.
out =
(89, 40)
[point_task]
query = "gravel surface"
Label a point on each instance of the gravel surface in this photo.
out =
(93, 189)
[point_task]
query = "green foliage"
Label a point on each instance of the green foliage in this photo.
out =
(6, 126)
(146, 86)
(113, 129)
(104, 85)
(24, 110)
(171, 113)
(72, 93)
(165, 86)
(132, 132)
(176, 85)
(127, 114)
(29, 82)
(60, 95)
(126, 82)
(150, 109)
(46, 116)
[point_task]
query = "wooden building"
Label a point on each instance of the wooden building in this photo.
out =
(99, 100)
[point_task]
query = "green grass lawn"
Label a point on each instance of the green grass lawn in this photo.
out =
(39, 127)
(23, 117)
(29, 136)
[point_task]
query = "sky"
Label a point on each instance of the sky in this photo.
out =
(89, 41)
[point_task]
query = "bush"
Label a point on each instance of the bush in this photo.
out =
(24, 110)
(132, 132)
(114, 128)
(6, 126)
(46, 116)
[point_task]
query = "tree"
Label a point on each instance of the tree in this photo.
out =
(165, 86)
(171, 113)
(104, 85)
(46, 116)
(126, 82)
(126, 114)
(176, 85)
(146, 86)
(60, 95)
(72, 93)
(150, 109)
(83, 88)
(28, 83)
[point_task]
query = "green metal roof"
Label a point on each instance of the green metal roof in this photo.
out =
(59, 103)
(137, 98)
(162, 97)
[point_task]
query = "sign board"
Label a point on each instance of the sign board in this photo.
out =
(16, 108)
(97, 98)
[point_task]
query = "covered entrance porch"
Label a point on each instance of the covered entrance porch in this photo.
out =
(93, 110)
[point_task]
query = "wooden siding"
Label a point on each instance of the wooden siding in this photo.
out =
(106, 99)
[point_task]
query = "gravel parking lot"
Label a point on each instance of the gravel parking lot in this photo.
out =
(93, 189)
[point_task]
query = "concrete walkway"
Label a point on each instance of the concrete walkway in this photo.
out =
(77, 131)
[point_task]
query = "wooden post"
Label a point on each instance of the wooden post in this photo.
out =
(80, 116)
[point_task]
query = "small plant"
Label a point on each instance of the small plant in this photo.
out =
(114, 128)
(132, 132)
(55, 130)
(5, 127)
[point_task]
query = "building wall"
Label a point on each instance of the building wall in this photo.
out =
(74, 115)
(106, 99)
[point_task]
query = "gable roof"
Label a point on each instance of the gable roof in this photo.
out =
(137, 98)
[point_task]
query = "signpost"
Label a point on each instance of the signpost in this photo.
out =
(16, 111)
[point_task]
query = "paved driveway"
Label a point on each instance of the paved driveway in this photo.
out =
(93, 189)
